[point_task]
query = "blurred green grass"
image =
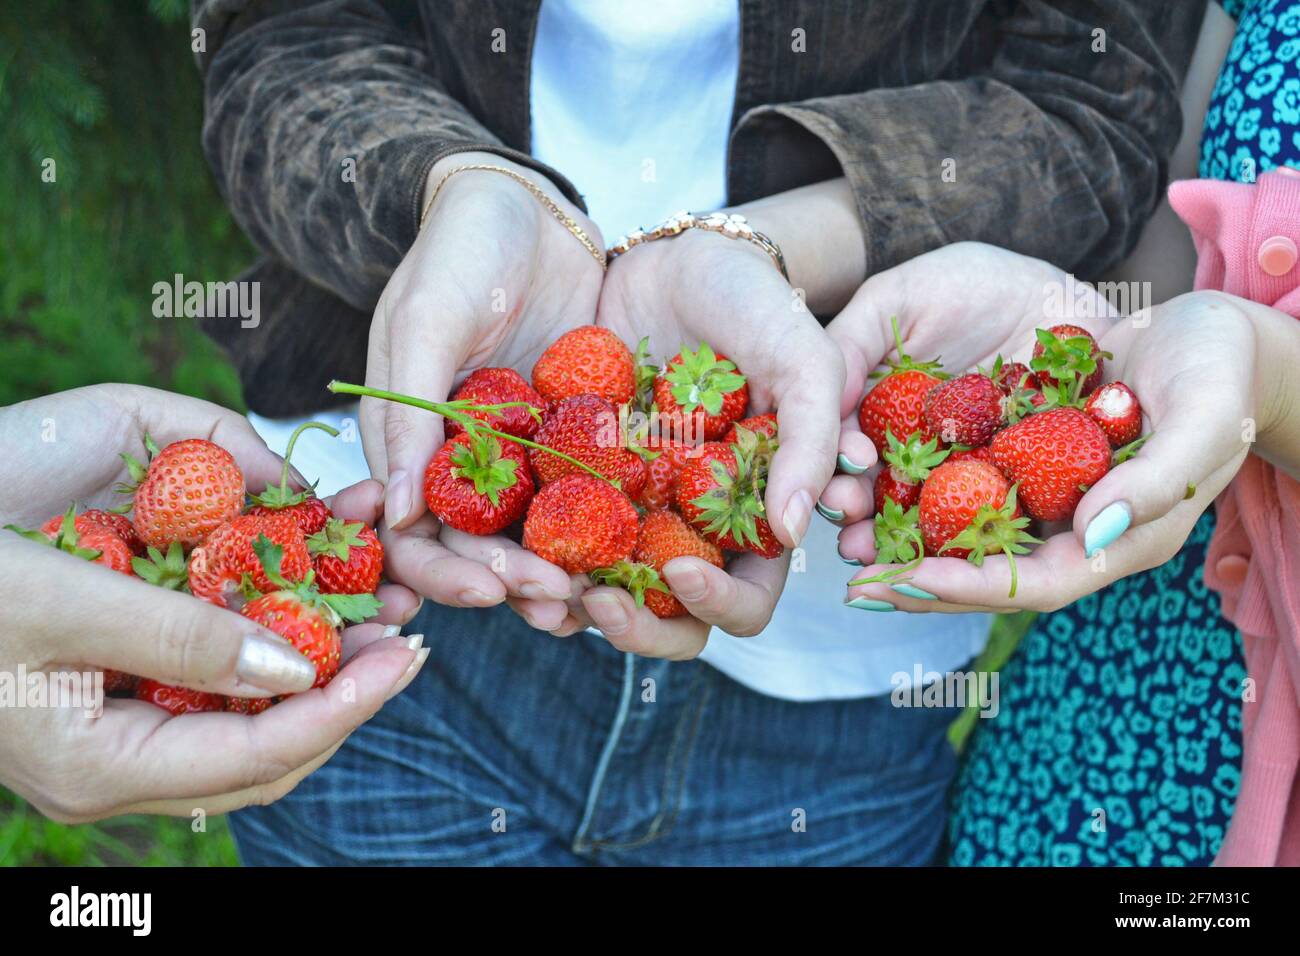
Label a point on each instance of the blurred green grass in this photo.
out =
(109, 92)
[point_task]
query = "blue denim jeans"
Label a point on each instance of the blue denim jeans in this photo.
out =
(513, 747)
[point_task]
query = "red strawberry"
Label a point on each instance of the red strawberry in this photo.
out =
(897, 402)
(1115, 408)
(1054, 456)
(347, 556)
(219, 565)
(701, 393)
(720, 492)
(587, 428)
(478, 483)
(966, 410)
(907, 465)
(309, 511)
(119, 682)
(1068, 355)
(1012, 376)
(248, 705)
(187, 490)
(586, 360)
(120, 525)
(968, 510)
(764, 424)
(581, 523)
(95, 542)
(177, 700)
(661, 474)
(497, 386)
(307, 619)
(662, 537)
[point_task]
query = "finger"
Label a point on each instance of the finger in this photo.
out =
(241, 752)
(400, 604)
(362, 502)
(857, 543)
(416, 559)
(638, 631)
(740, 600)
(540, 615)
(523, 573)
(113, 620)
(862, 335)
(857, 452)
(847, 499)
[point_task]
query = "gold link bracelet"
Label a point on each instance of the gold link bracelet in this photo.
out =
(552, 207)
(731, 225)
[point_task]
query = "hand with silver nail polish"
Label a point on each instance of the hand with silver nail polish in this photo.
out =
(63, 621)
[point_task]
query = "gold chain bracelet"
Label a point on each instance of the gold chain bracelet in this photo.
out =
(731, 225)
(551, 205)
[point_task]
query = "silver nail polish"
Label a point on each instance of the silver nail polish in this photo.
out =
(271, 664)
(415, 642)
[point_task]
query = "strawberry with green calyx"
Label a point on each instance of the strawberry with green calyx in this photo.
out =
(720, 492)
(1068, 355)
(909, 463)
(898, 534)
(1010, 376)
(117, 523)
(309, 511)
(703, 388)
(226, 567)
(347, 556)
(163, 570)
(186, 490)
(302, 615)
(478, 483)
(589, 430)
(94, 543)
(994, 529)
(500, 397)
(632, 576)
(897, 401)
(663, 537)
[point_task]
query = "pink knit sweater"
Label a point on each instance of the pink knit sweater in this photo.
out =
(1246, 236)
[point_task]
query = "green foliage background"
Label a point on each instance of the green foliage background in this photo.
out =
(109, 91)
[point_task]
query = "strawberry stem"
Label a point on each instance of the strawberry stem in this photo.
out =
(458, 411)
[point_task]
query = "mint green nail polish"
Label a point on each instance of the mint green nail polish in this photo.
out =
(867, 604)
(849, 467)
(830, 514)
(912, 591)
(853, 561)
(1111, 522)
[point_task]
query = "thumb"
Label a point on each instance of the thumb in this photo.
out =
(106, 619)
(863, 339)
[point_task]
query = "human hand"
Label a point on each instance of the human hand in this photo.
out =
(491, 279)
(61, 615)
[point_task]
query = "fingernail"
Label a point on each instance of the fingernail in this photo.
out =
(415, 642)
(850, 467)
(475, 598)
(297, 476)
(797, 513)
(830, 514)
(867, 604)
(607, 612)
(410, 615)
(397, 498)
(411, 670)
(392, 630)
(273, 665)
(912, 591)
(1111, 522)
(853, 561)
(687, 583)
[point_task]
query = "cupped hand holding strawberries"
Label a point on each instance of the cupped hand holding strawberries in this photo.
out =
(60, 613)
(1111, 462)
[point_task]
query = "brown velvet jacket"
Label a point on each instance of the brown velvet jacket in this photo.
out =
(1059, 149)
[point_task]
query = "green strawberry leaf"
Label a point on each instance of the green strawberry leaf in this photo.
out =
(165, 571)
(337, 538)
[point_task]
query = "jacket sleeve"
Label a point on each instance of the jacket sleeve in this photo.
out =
(1054, 149)
(321, 122)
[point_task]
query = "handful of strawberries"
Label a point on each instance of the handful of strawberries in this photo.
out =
(971, 460)
(280, 557)
(606, 464)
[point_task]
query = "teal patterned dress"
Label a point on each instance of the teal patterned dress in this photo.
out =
(1119, 736)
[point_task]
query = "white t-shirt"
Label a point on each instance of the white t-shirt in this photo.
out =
(633, 103)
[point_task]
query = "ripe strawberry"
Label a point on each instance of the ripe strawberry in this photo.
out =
(1067, 355)
(307, 619)
(1011, 376)
(898, 534)
(347, 556)
(966, 410)
(961, 453)
(497, 386)
(720, 492)
(897, 402)
(968, 510)
(661, 474)
(1115, 408)
(248, 705)
(1054, 456)
(187, 490)
(95, 542)
(478, 483)
(120, 525)
(119, 682)
(226, 561)
(177, 700)
(764, 424)
(581, 523)
(907, 465)
(662, 537)
(586, 360)
(587, 428)
(309, 511)
(702, 393)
